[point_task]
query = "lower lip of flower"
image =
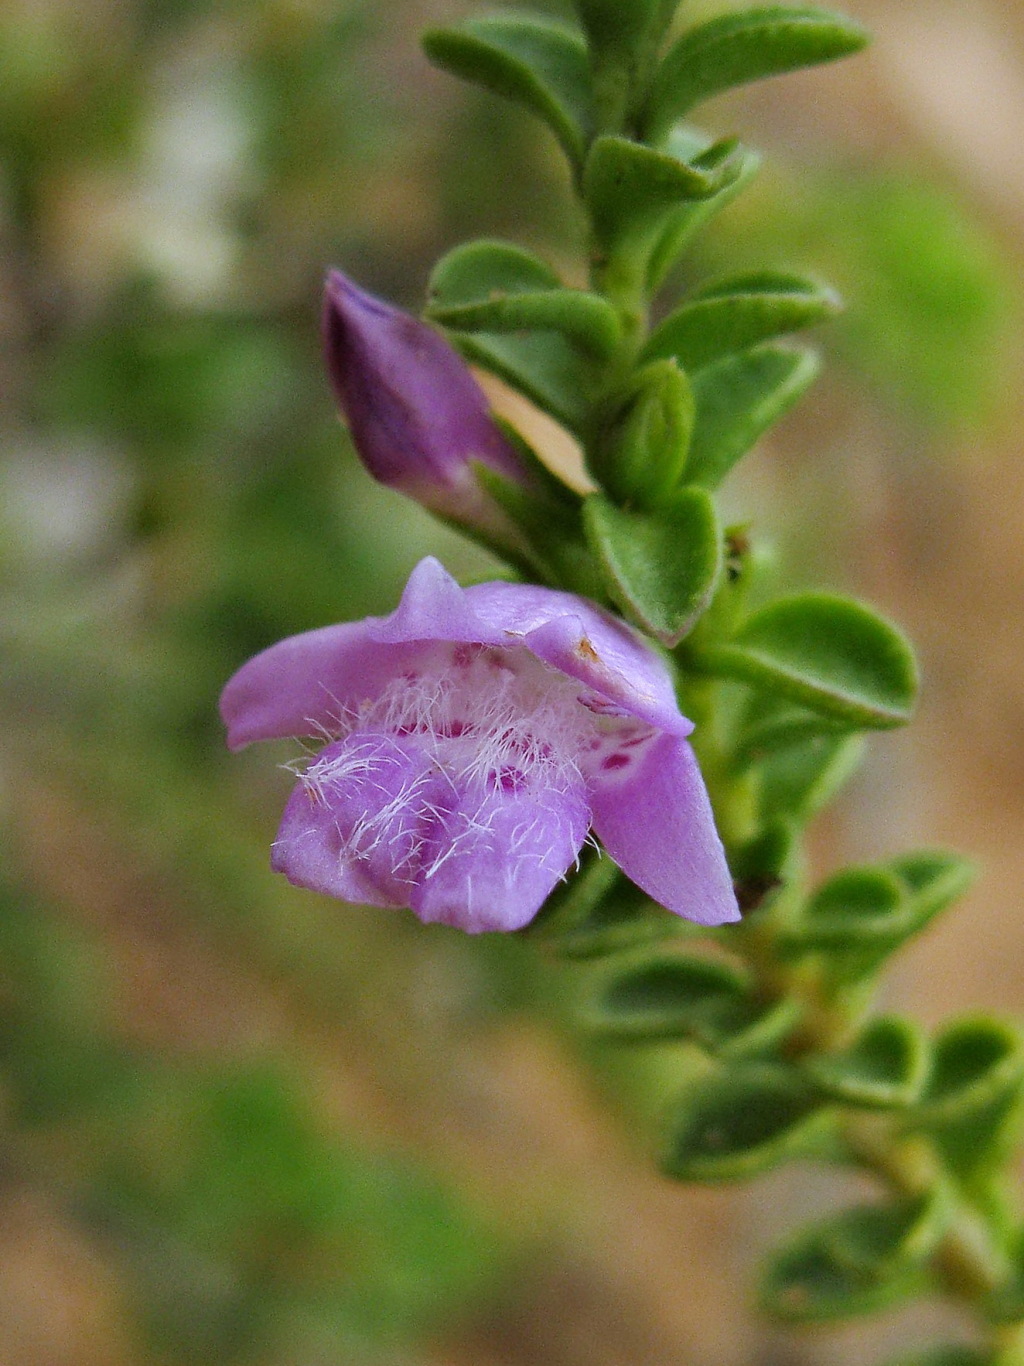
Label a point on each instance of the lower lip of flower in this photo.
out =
(471, 734)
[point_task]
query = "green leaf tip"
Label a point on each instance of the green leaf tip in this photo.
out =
(885, 1067)
(738, 313)
(736, 48)
(631, 189)
(490, 286)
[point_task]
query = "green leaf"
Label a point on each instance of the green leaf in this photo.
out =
(738, 398)
(861, 909)
(552, 370)
(624, 41)
(631, 189)
(799, 780)
(683, 223)
(669, 998)
(764, 1033)
(771, 724)
(861, 915)
(933, 880)
(736, 314)
(828, 653)
(601, 912)
(740, 47)
(861, 1261)
(661, 567)
(529, 296)
(884, 1068)
(801, 759)
(537, 64)
(612, 25)
(742, 1120)
(971, 1106)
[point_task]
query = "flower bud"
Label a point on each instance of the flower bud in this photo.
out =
(419, 420)
(641, 457)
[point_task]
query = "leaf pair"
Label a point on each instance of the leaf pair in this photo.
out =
(546, 67)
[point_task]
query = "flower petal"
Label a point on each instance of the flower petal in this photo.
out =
(355, 825)
(304, 684)
(497, 857)
(434, 607)
(658, 826)
(579, 639)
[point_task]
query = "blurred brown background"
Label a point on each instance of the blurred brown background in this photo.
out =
(240, 1124)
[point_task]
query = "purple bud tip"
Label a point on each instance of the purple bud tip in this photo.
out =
(417, 416)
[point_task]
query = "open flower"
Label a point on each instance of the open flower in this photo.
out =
(473, 737)
(419, 420)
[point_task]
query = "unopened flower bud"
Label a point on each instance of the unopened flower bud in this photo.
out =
(418, 418)
(642, 455)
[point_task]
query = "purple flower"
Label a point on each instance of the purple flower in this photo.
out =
(418, 418)
(473, 737)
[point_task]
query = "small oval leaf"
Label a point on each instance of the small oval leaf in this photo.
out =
(740, 47)
(670, 998)
(578, 315)
(742, 1120)
(883, 1069)
(933, 879)
(737, 399)
(735, 315)
(799, 780)
(537, 64)
(828, 653)
(682, 224)
(548, 367)
(858, 1262)
(972, 1103)
(661, 567)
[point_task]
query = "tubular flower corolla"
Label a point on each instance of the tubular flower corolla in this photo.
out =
(473, 738)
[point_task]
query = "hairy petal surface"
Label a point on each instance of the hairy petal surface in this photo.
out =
(497, 857)
(358, 818)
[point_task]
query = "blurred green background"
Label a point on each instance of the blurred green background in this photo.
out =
(241, 1124)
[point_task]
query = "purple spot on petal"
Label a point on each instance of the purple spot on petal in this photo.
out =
(615, 761)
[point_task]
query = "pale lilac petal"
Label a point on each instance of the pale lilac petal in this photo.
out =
(304, 684)
(658, 826)
(355, 824)
(498, 857)
(579, 639)
(434, 607)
